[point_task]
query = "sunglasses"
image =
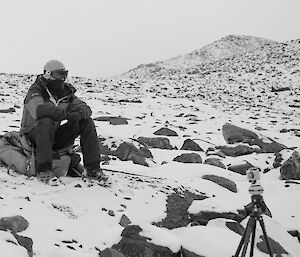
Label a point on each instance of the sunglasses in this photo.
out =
(59, 74)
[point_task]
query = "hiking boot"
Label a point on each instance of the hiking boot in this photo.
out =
(48, 178)
(95, 173)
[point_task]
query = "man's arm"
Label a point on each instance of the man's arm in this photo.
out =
(38, 108)
(77, 105)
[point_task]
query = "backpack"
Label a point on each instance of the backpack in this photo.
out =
(18, 153)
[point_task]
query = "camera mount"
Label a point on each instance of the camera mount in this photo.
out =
(254, 210)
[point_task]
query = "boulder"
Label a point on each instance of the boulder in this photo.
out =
(234, 134)
(130, 150)
(156, 142)
(26, 242)
(188, 253)
(177, 209)
(240, 168)
(124, 221)
(166, 132)
(132, 245)
(215, 162)
(17, 224)
(127, 151)
(213, 151)
(113, 120)
(238, 150)
(110, 252)
(188, 158)
(14, 223)
(290, 169)
(9, 246)
(277, 248)
(204, 217)
(9, 110)
(224, 182)
(191, 145)
(118, 121)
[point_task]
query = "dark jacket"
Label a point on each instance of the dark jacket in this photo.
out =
(40, 103)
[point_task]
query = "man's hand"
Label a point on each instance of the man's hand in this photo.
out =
(74, 116)
(49, 110)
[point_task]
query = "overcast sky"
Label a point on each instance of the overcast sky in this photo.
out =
(98, 38)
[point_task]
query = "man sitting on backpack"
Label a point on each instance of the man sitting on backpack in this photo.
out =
(49, 101)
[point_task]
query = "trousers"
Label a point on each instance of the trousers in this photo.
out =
(46, 139)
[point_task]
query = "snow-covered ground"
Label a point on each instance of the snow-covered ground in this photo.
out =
(87, 218)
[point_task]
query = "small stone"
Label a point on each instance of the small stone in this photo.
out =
(124, 221)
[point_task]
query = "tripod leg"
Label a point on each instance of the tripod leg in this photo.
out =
(242, 240)
(253, 239)
(248, 234)
(261, 222)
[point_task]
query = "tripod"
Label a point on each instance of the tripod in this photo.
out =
(256, 209)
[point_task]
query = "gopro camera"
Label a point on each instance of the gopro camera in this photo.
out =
(253, 174)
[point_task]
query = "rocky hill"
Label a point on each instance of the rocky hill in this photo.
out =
(225, 47)
(235, 67)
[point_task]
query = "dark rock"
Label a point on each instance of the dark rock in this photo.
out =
(134, 245)
(233, 134)
(276, 247)
(277, 161)
(132, 232)
(235, 227)
(213, 151)
(25, 242)
(118, 121)
(156, 142)
(127, 151)
(189, 144)
(295, 233)
(124, 221)
(177, 209)
(166, 132)
(238, 150)
(280, 89)
(111, 213)
(224, 182)
(188, 158)
(204, 217)
(110, 252)
(14, 224)
(291, 167)
(147, 153)
(240, 168)
(215, 162)
(113, 120)
(9, 110)
(135, 101)
(187, 253)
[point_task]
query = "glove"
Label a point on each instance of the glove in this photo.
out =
(74, 116)
(49, 110)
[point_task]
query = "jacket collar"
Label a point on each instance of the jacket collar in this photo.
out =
(42, 82)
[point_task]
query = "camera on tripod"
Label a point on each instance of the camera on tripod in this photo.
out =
(253, 175)
(254, 210)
